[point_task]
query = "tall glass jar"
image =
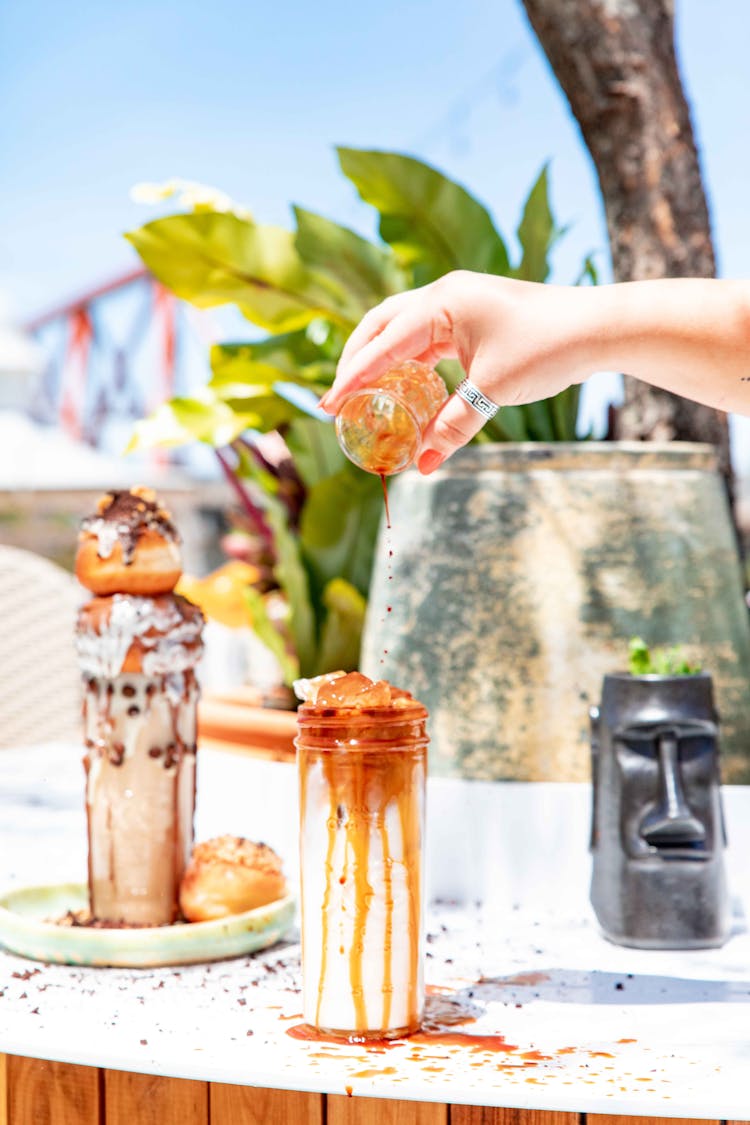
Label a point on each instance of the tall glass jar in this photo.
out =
(381, 428)
(362, 788)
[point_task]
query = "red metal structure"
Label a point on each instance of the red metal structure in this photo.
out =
(114, 353)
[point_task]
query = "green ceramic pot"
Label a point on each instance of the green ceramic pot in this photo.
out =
(519, 573)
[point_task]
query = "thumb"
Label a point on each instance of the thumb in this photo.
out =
(452, 427)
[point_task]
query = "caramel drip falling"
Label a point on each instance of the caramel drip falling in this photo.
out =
(388, 943)
(358, 844)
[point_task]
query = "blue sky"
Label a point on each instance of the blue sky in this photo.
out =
(252, 98)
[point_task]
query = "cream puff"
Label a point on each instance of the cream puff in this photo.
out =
(129, 546)
(229, 875)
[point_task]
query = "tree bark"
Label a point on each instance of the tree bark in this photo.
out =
(616, 63)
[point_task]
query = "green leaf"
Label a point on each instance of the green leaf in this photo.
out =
(268, 632)
(341, 637)
(639, 657)
(660, 661)
(537, 232)
(339, 526)
(184, 420)
(366, 272)
(291, 575)
(315, 450)
(539, 420)
(433, 224)
(564, 408)
(216, 258)
(289, 358)
(588, 271)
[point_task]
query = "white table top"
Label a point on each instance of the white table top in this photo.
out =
(594, 1027)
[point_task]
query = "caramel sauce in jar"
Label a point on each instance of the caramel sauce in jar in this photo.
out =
(381, 428)
(362, 785)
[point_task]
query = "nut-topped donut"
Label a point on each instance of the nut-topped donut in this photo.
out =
(129, 546)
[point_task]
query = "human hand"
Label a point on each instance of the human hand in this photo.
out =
(514, 340)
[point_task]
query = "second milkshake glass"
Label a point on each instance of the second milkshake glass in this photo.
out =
(362, 786)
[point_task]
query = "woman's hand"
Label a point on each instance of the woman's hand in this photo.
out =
(516, 341)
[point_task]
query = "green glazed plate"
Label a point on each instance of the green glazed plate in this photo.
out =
(27, 927)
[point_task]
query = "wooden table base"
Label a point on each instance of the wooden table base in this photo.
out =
(35, 1092)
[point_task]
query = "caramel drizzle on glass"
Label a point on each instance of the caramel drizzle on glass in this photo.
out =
(365, 779)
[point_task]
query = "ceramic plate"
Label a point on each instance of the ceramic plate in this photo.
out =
(26, 928)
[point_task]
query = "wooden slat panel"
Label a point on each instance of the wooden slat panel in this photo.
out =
(383, 1111)
(3, 1090)
(615, 1119)
(51, 1093)
(486, 1115)
(149, 1099)
(249, 1105)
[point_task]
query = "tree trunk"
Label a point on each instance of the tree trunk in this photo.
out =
(616, 63)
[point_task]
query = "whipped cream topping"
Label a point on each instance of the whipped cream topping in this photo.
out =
(171, 642)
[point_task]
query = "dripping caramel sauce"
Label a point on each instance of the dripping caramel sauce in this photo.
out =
(365, 785)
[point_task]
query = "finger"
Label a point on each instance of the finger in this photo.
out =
(451, 428)
(409, 334)
(371, 324)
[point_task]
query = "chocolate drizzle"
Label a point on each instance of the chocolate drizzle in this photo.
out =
(124, 516)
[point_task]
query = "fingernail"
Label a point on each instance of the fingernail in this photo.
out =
(430, 460)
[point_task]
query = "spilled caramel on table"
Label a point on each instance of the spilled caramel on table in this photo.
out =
(368, 739)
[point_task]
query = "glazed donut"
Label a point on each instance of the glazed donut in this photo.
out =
(129, 546)
(228, 875)
(123, 633)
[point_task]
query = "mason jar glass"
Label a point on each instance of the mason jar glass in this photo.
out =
(362, 789)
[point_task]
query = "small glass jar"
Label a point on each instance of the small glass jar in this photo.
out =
(362, 787)
(381, 428)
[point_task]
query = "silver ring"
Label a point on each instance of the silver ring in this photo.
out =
(471, 394)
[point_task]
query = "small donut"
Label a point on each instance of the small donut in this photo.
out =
(158, 636)
(228, 875)
(129, 546)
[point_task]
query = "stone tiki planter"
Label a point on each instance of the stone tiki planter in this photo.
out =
(519, 574)
(657, 833)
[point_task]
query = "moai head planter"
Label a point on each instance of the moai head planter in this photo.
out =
(658, 837)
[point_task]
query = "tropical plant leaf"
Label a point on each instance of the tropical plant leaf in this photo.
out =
(588, 272)
(339, 526)
(511, 423)
(291, 575)
(267, 631)
(365, 271)
(215, 258)
(540, 421)
(290, 357)
(565, 413)
(341, 636)
(315, 450)
(433, 224)
(184, 420)
(537, 232)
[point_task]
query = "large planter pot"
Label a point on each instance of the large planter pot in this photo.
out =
(519, 573)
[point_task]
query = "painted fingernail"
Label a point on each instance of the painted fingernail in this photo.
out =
(430, 460)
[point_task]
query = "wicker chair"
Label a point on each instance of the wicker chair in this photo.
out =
(39, 679)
